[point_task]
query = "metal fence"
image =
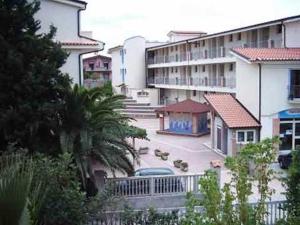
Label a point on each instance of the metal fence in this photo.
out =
(154, 185)
(275, 212)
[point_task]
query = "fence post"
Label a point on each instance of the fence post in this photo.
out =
(152, 186)
(196, 185)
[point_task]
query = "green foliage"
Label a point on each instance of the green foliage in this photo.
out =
(150, 217)
(230, 205)
(31, 84)
(93, 128)
(292, 184)
(15, 176)
(64, 203)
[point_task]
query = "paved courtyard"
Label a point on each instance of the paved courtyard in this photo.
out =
(189, 149)
(192, 150)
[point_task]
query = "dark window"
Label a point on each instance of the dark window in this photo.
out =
(241, 136)
(195, 44)
(286, 136)
(171, 48)
(172, 70)
(239, 36)
(230, 37)
(279, 29)
(250, 136)
(194, 93)
(231, 67)
(91, 65)
(203, 69)
(294, 84)
(196, 69)
(203, 43)
(176, 48)
(176, 70)
(105, 65)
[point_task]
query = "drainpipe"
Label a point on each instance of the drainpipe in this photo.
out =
(284, 34)
(259, 97)
(81, 36)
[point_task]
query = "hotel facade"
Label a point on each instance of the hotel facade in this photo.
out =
(259, 65)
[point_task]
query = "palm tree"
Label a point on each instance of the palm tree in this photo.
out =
(15, 180)
(92, 127)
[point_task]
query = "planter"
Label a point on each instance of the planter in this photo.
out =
(143, 150)
(164, 155)
(184, 166)
(157, 152)
(177, 163)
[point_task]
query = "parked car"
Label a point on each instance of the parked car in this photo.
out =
(142, 186)
(285, 159)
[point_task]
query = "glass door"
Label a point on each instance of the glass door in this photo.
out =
(289, 135)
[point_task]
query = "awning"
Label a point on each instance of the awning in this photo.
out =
(290, 114)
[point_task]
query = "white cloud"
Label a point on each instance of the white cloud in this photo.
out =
(112, 21)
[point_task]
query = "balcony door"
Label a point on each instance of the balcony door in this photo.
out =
(294, 84)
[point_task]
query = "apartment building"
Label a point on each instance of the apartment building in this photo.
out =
(65, 16)
(97, 70)
(128, 64)
(258, 64)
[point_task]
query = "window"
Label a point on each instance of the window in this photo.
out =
(172, 70)
(231, 67)
(195, 44)
(245, 136)
(171, 48)
(230, 38)
(279, 29)
(203, 43)
(105, 65)
(196, 69)
(194, 93)
(176, 48)
(203, 69)
(294, 84)
(176, 70)
(91, 65)
(239, 36)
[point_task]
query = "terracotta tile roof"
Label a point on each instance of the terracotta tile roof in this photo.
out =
(232, 112)
(80, 43)
(268, 54)
(186, 106)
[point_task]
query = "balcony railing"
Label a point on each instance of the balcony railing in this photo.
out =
(215, 52)
(228, 82)
(90, 83)
(97, 69)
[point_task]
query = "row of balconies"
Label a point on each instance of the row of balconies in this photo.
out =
(221, 81)
(210, 53)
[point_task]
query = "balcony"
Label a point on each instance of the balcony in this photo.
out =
(91, 83)
(220, 84)
(97, 69)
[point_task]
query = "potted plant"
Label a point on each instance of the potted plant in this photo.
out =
(157, 152)
(164, 155)
(184, 166)
(143, 150)
(177, 163)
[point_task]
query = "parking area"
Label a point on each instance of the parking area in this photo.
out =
(192, 150)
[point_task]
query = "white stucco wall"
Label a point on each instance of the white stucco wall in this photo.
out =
(116, 65)
(293, 34)
(247, 86)
(72, 66)
(275, 89)
(134, 62)
(62, 16)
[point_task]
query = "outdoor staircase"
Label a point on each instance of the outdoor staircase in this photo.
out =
(138, 110)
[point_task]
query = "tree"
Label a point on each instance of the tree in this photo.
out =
(31, 85)
(92, 128)
(218, 204)
(292, 184)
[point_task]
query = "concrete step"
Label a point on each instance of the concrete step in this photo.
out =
(137, 111)
(142, 107)
(140, 115)
(135, 104)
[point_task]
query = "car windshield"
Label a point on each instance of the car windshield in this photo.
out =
(154, 172)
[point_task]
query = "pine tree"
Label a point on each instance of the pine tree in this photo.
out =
(32, 88)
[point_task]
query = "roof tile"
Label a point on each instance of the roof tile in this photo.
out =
(268, 54)
(231, 111)
(186, 106)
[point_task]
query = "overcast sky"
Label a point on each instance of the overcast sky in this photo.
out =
(112, 21)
